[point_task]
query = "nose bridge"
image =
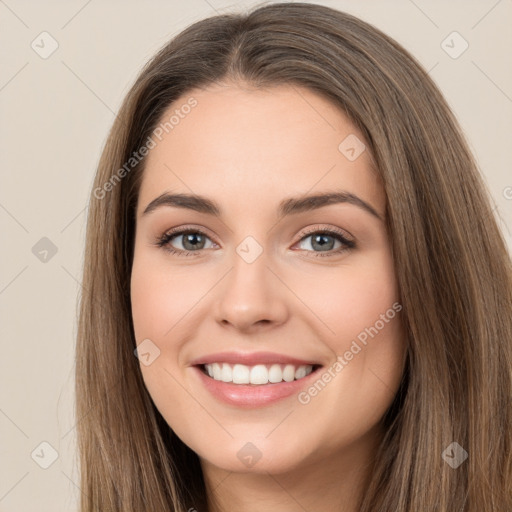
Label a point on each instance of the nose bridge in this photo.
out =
(250, 265)
(250, 293)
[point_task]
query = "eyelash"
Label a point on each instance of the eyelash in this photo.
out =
(163, 241)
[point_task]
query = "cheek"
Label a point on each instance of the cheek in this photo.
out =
(351, 298)
(359, 309)
(160, 297)
(151, 297)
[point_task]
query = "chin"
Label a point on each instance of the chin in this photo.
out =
(255, 456)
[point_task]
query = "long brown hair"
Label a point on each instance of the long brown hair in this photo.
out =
(452, 266)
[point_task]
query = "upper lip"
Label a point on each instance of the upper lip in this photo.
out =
(251, 359)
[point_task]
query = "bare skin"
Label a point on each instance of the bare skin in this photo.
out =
(248, 150)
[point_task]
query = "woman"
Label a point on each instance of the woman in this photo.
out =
(289, 232)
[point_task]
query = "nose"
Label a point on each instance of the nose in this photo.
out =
(251, 297)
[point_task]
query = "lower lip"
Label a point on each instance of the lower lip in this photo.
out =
(247, 395)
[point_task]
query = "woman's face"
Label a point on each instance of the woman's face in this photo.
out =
(269, 282)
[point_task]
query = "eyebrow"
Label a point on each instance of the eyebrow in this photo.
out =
(292, 205)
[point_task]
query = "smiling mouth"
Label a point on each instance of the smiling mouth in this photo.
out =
(257, 375)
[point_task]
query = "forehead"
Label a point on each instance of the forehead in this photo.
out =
(250, 147)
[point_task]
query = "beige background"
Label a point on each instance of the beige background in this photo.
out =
(54, 116)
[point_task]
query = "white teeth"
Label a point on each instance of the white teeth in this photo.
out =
(217, 372)
(299, 372)
(240, 374)
(289, 373)
(226, 373)
(258, 374)
(275, 374)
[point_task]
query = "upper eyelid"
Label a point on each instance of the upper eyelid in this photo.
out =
(182, 230)
(335, 231)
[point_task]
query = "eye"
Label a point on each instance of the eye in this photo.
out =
(191, 240)
(323, 241)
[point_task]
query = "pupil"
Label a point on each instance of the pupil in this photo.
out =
(321, 241)
(190, 238)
